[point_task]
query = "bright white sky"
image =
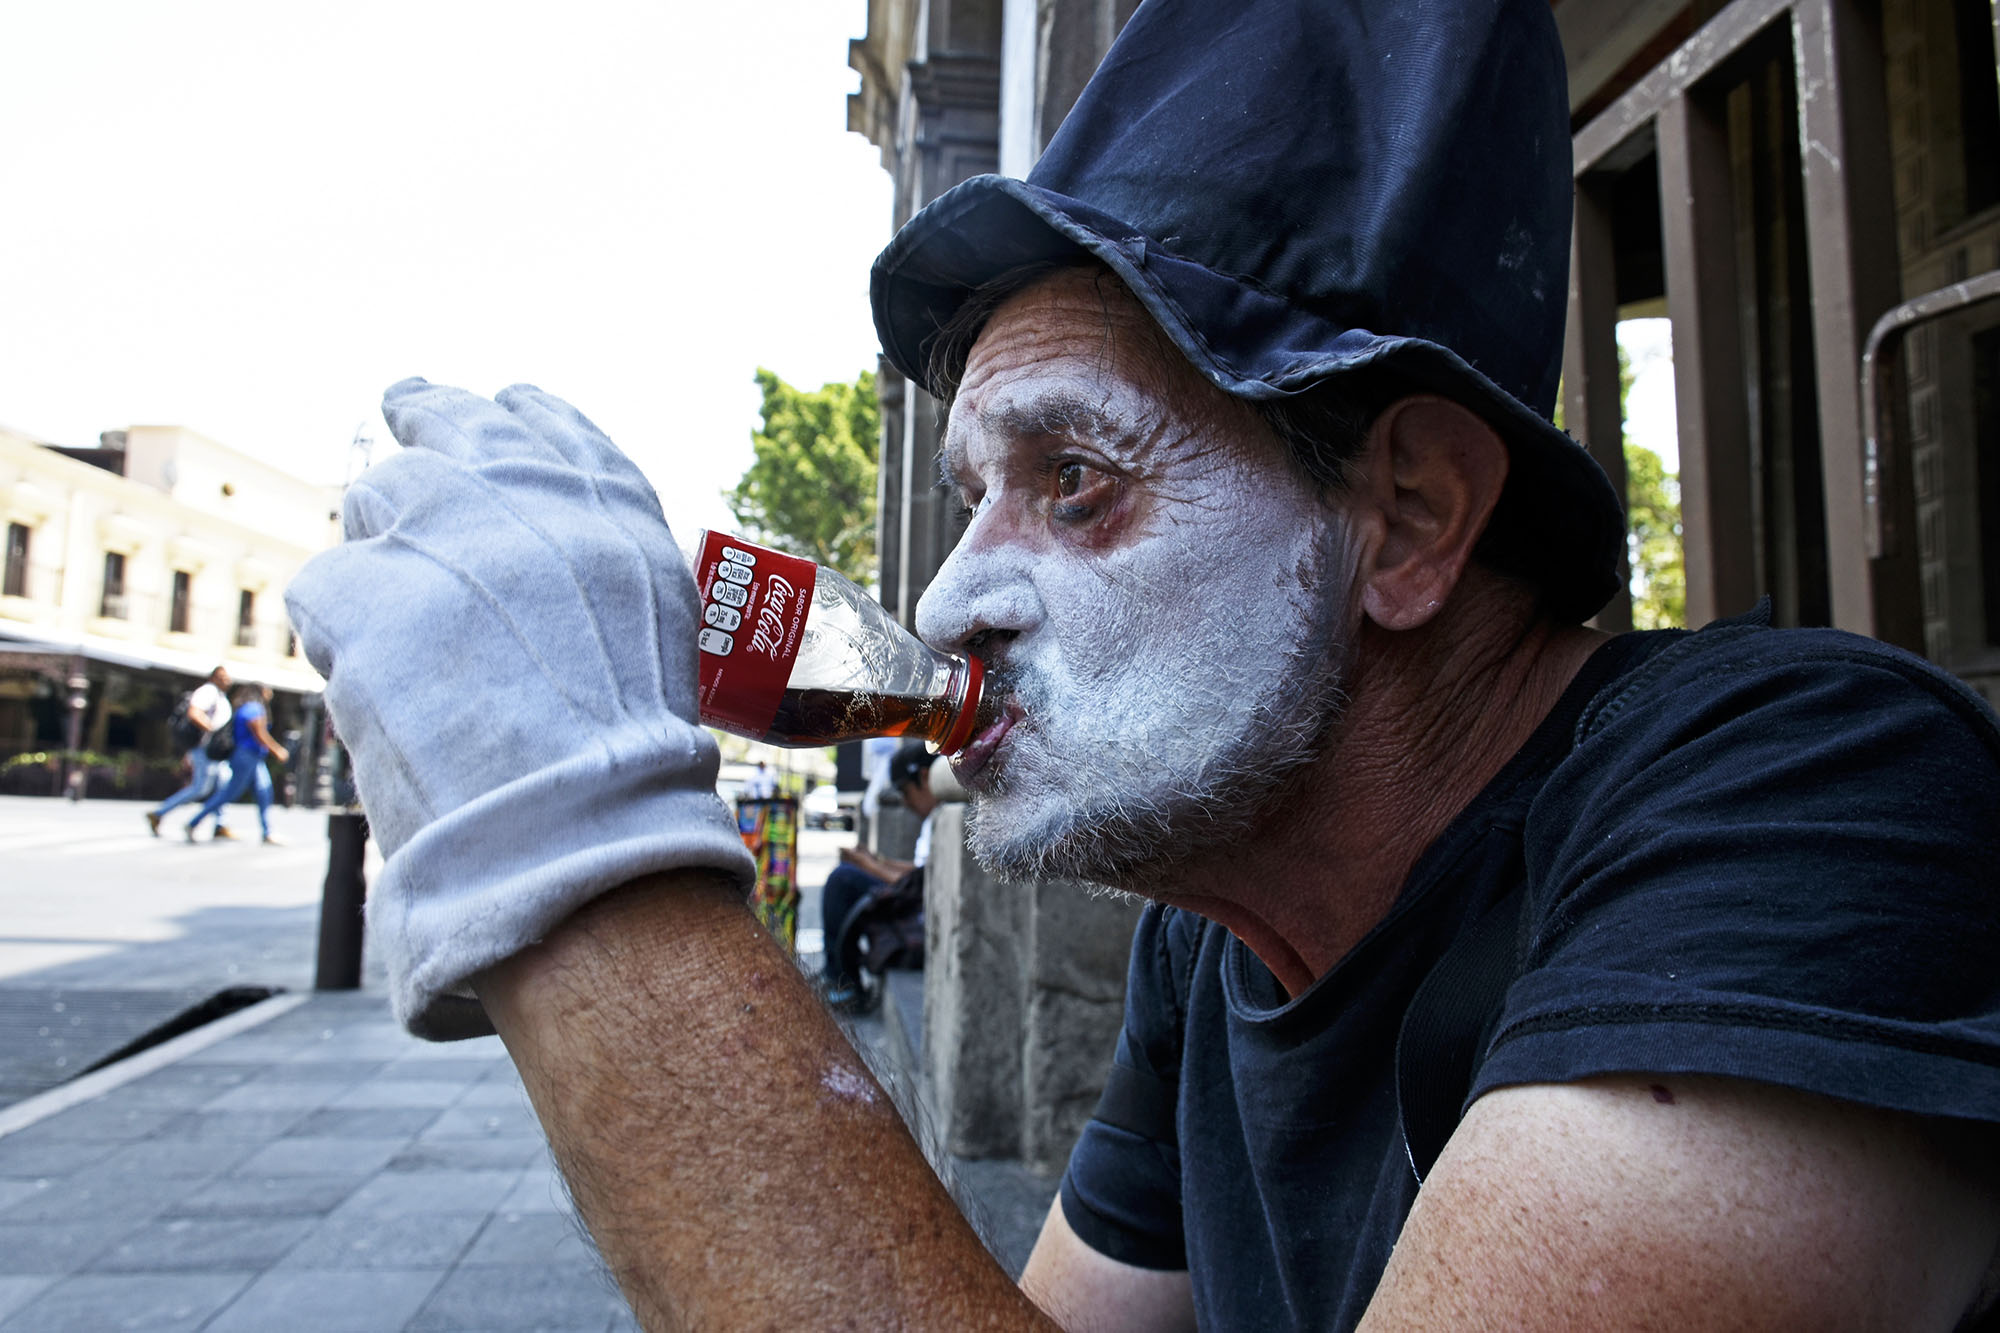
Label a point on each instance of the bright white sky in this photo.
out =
(249, 218)
(1649, 408)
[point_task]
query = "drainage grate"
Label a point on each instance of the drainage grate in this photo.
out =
(51, 1035)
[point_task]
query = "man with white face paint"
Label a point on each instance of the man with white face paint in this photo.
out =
(1665, 959)
(1172, 615)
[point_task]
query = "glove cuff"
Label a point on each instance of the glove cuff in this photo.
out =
(496, 875)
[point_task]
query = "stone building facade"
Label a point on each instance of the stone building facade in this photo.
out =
(132, 570)
(1808, 189)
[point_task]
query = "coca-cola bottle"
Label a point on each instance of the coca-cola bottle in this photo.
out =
(795, 654)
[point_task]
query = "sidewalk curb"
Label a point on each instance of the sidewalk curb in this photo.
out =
(43, 1105)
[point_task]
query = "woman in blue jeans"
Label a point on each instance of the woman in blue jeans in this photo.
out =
(246, 764)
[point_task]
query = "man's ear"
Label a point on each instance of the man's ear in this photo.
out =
(1433, 474)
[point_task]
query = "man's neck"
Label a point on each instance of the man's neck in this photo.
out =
(1433, 715)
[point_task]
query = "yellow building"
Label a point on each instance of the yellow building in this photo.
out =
(131, 570)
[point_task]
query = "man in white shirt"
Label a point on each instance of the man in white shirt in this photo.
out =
(207, 709)
(762, 785)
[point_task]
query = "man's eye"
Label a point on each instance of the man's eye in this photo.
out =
(1082, 492)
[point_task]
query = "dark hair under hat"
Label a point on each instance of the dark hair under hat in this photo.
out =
(1300, 191)
(909, 764)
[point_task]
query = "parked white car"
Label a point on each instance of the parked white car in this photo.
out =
(824, 808)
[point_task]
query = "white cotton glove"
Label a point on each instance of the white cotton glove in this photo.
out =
(508, 640)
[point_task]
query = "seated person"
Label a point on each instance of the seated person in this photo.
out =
(861, 871)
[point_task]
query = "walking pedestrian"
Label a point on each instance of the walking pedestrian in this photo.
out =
(248, 772)
(199, 715)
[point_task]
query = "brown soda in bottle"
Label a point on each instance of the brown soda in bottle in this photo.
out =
(796, 654)
(827, 717)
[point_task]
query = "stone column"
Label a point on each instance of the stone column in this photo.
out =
(951, 132)
(1075, 36)
(1078, 943)
(891, 390)
(1024, 992)
(976, 951)
(892, 834)
(930, 522)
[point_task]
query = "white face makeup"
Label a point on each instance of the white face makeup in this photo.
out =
(1163, 596)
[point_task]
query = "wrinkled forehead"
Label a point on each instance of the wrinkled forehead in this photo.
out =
(1073, 354)
(1080, 314)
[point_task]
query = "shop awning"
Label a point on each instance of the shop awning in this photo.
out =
(294, 679)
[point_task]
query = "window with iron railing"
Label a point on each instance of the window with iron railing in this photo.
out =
(177, 615)
(17, 560)
(113, 605)
(246, 619)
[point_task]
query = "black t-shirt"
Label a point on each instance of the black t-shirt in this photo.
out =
(1767, 854)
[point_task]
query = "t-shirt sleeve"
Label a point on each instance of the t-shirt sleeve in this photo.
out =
(1777, 866)
(212, 704)
(1121, 1194)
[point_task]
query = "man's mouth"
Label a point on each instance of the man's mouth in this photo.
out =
(968, 763)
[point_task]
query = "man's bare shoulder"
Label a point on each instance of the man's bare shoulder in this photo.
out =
(1654, 1201)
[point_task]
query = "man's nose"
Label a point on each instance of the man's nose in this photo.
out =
(981, 598)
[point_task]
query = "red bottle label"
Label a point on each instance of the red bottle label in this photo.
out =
(754, 603)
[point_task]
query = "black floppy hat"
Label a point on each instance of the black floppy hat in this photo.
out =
(1304, 190)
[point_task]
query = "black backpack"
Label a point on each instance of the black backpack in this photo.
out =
(221, 742)
(185, 731)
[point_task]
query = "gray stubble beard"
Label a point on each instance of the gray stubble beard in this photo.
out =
(1130, 842)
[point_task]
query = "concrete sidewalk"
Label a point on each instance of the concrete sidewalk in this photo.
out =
(304, 1165)
(301, 1164)
(320, 1170)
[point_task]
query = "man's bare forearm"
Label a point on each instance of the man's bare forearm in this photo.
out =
(881, 867)
(736, 1162)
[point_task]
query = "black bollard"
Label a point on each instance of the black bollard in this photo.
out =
(341, 904)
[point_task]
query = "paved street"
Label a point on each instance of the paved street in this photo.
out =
(107, 932)
(89, 899)
(299, 1165)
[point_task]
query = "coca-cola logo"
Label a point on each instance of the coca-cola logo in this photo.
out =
(770, 632)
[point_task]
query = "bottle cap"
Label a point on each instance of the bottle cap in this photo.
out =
(967, 716)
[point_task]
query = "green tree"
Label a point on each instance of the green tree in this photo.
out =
(1652, 525)
(811, 490)
(1653, 540)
